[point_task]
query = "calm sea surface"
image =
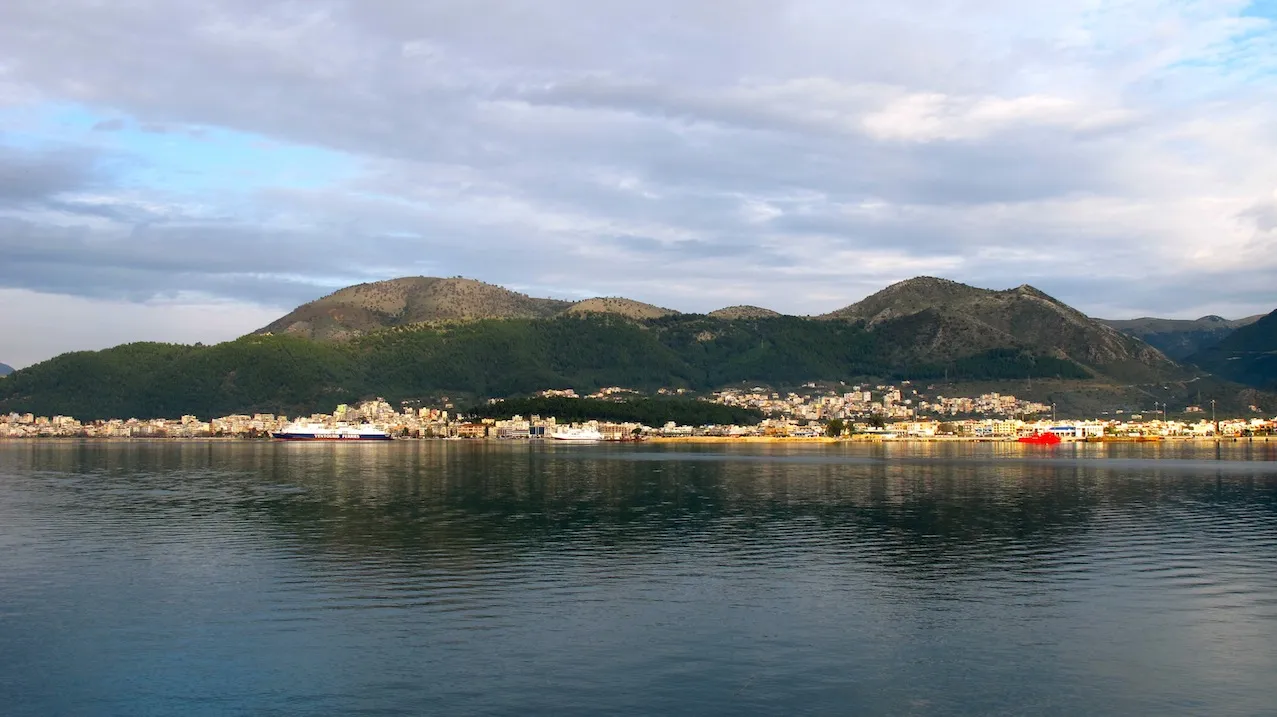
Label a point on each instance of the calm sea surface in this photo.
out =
(168, 578)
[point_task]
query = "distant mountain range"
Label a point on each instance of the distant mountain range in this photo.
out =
(941, 319)
(416, 337)
(922, 320)
(1247, 355)
(5, 369)
(1181, 338)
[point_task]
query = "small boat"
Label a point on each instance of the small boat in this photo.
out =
(1040, 439)
(576, 434)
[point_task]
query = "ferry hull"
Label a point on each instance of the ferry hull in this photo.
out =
(577, 436)
(1040, 439)
(313, 437)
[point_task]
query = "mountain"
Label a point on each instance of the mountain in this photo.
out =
(743, 312)
(628, 308)
(1248, 355)
(1180, 338)
(925, 320)
(937, 319)
(414, 300)
(360, 309)
(906, 298)
(5, 369)
(415, 338)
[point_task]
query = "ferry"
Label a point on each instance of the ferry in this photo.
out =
(319, 432)
(576, 434)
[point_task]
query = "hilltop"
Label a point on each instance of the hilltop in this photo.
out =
(5, 369)
(743, 312)
(363, 308)
(417, 300)
(1180, 338)
(619, 306)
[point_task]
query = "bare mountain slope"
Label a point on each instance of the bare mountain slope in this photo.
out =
(628, 308)
(362, 308)
(743, 312)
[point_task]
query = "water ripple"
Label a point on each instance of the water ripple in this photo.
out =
(162, 578)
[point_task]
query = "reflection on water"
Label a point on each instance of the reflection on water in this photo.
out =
(216, 578)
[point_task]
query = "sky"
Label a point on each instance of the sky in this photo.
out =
(182, 170)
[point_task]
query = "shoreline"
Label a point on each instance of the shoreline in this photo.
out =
(709, 440)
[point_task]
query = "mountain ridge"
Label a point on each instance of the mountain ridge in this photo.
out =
(406, 301)
(926, 318)
(5, 369)
(415, 337)
(1180, 338)
(1248, 355)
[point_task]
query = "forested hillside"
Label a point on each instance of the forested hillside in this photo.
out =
(490, 358)
(1248, 355)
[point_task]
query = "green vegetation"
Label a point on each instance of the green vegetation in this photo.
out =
(155, 380)
(648, 411)
(488, 358)
(1180, 338)
(1248, 355)
(997, 365)
(834, 427)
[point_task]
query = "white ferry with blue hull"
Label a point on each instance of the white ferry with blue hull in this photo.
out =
(318, 432)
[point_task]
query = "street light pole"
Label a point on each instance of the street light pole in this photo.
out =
(1213, 419)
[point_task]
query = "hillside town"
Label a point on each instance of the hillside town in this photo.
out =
(862, 412)
(886, 401)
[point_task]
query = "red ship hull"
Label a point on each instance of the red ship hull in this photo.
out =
(1040, 439)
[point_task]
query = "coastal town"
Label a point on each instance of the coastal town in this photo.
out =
(880, 412)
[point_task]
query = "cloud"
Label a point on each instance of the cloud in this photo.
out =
(35, 175)
(51, 324)
(795, 154)
(109, 125)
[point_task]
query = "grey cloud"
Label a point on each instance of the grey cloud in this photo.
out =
(683, 153)
(1262, 214)
(158, 261)
(110, 125)
(30, 176)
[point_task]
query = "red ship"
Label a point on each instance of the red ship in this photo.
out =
(1040, 439)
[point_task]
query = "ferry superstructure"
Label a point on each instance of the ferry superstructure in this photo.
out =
(320, 432)
(576, 434)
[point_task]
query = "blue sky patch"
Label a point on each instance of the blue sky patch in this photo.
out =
(174, 157)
